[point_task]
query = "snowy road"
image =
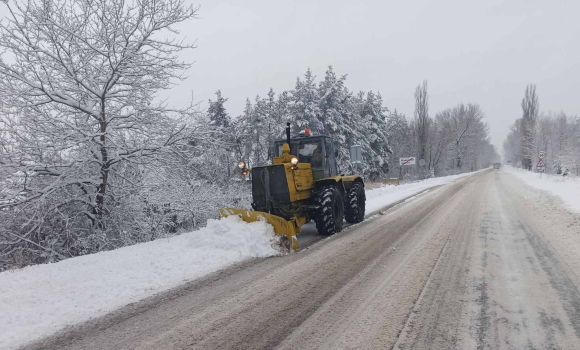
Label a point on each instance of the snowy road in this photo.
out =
(482, 263)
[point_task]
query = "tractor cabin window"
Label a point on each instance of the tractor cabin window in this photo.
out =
(307, 152)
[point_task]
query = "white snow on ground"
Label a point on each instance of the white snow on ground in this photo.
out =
(380, 197)
(39, 300)
(565, 187)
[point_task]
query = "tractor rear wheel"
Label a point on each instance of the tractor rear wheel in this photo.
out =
(355, 204)
(330, 213)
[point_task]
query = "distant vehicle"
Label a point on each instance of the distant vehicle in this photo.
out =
(496, 165)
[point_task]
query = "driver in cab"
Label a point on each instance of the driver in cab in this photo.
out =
(316, 159)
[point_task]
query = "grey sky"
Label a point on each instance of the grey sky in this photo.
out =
(470, 51)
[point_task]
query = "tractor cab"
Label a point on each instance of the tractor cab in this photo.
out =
(317, 150)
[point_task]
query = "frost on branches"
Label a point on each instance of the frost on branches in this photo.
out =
(83, 142)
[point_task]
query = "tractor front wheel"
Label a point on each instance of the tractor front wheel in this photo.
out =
(330, 213)
(355, 204)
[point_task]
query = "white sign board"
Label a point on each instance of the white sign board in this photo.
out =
(356, 154)
(407, 161)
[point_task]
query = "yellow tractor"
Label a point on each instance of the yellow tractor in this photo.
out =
(303, 184)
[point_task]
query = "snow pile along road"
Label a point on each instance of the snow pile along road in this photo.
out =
(40, 300)
(383, 196)
(565, 187)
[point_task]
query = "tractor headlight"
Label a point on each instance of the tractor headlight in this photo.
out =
(241, 165)
(294, 160)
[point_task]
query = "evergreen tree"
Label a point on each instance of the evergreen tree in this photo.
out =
(217, 112)
(331, 92)
(273, 123)
(244, 140)
(306, 110)
(374, 135)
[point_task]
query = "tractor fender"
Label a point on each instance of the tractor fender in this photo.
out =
(342, 182)
(332, 181)
(351, 179)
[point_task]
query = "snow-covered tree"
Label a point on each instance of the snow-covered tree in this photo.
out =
(399, 136)
(332, 96)
(375, 134)
(306, 105)
(530, 109)
(79, 82)
(422, 120)
(217, 113)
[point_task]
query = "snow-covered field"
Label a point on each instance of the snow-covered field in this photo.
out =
(565, 187)
(40, 300)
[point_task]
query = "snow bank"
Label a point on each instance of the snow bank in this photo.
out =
(565, 187)
(380, 197)
(40, 300)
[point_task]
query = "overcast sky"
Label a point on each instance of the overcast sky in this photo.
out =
(482, 51)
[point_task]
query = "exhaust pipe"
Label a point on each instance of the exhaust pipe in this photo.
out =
(288, 133)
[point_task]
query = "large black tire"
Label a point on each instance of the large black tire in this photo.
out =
(355, 204)
(330, 213)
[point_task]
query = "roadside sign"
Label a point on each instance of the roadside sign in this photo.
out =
(541, 165)
(355, 154)
(407, 161)
(422, 162)
(541, 155)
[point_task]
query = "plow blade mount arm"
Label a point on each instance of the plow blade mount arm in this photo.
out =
(281, 225)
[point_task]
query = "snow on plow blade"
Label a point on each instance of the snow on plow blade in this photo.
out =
(281, 225)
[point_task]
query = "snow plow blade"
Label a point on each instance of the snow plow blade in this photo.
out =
(281, 225)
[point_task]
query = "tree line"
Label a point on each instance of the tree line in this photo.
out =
(91, 159)
(326, 107)
(455, 140)
(557, 135)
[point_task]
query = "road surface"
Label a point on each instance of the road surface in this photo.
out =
(482, 263)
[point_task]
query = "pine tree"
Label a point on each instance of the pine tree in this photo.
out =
(273, 123)
(375, 135)
(260, 131)
(331, 92)
(217, 112)
(306, 111)
(244, 139)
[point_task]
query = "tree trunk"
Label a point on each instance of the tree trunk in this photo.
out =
(104, 165)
